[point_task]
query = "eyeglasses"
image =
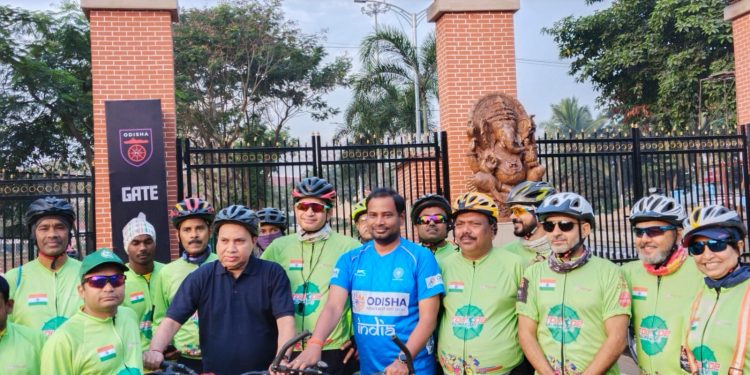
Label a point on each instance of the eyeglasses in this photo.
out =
(437, 219)
(717, 246)
(316, 207)
(520, 210)
(652, 231)
(101, 281)
(565, 226)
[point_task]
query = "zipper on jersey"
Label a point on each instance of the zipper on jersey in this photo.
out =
(471, 297)
(708, 320)
(656, 308)
(562, 315)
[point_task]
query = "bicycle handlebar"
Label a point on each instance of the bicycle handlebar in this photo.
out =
(276, 364)
(407, 353)
(174, 368)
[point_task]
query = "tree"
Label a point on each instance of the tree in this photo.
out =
(570, 118)
(647, 57)
(383, 103)
(243, 71)
(45, 89)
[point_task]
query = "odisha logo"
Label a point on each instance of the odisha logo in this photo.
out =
(136, 146)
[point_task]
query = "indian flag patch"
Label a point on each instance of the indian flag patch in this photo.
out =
(137, 297)
(456, 286)
(295, 264)
(640, 293)
(547, 284)
(37, 299)
(106, 352)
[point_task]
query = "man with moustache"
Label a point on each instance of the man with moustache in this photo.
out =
(431, 214)
(663, 283)
(573, 309)
(101, 337)
(395, 287)
(245, 303)
(523, 201)
(44, 290)
(308, 257)
(139, 238)
(192, 218)
(478, 331)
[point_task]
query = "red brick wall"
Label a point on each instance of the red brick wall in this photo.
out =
(131, 58)
(741, 35)
(475, 56)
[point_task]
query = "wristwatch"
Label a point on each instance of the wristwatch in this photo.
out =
(402, 357)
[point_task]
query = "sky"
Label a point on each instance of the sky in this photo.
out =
(542, 78)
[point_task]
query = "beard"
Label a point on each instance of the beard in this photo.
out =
(654, 259)
(525, 229)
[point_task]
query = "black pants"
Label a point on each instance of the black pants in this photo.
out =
(525, 368)
(335, 361)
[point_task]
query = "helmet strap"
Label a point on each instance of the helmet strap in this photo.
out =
(433, 246)
(568, 253)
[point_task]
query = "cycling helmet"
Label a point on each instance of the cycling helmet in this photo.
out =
(191, 208)
(273, 216)
(476, 202)
(570, 204)
(237, 214)
(429, 200)
(314, 187)
(530, 193)
(49, 206)
(658, 207)
(359, 209)
(712, 216)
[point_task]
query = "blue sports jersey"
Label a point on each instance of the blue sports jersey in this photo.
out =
(385, 292)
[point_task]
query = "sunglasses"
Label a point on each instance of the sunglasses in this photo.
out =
(565, 226)
(100, 281)
(437, 219)
(520, 210)
(716, 246)
(652, 231)
(316, 207)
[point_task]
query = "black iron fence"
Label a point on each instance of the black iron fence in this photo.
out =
(613, 170)
(265, 176)
(17, 190)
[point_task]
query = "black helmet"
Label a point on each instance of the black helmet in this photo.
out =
(273, 216)
(237, 214)
(314, 187)
(430, 200)
(191, 208)
(49, 206)
(530, 192)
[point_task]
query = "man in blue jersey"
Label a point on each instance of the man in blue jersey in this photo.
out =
(395, 287)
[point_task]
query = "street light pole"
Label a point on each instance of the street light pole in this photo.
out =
(413, 19)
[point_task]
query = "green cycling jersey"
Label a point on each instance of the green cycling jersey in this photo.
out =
(138, 296)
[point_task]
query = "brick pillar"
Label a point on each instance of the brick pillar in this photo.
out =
(475, 56)
(739, 13)
(131, 58)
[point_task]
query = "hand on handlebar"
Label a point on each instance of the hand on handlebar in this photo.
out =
(152, 359)
(397, 368)
(308, 358)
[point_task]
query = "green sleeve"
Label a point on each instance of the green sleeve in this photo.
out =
(57, 356)
(270, 253)
(12, 278)
(527, 293)
(616, 294)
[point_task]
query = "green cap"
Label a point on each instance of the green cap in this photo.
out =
(99, 257)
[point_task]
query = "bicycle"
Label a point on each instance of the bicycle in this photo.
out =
(276, 366)
(173, 368)
(407, 354)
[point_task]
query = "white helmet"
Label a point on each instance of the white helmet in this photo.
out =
(570, 204)
(712, 216)
(658, 207)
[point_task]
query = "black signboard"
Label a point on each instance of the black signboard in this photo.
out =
(137, 174)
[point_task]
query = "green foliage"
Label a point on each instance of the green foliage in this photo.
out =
(570, 118)
(383, 103)
(243, 71)
(45, 89)
(647, 57)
